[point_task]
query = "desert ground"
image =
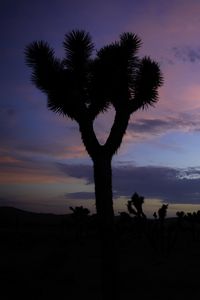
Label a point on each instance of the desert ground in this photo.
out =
(55, 257)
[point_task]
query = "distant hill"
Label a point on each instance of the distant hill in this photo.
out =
(14, 216)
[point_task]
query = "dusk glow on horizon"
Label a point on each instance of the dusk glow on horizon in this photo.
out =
(44, 166)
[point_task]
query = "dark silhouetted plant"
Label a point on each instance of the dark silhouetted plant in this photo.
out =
(180, 214)
(80, 212)
(155, 215)
(162, 212)
(135, 206)
(180, 217)
(80, 86)
(80, 216)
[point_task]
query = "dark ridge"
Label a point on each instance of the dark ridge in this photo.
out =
(14, 217)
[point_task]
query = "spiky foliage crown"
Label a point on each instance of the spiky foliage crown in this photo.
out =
(81, 84)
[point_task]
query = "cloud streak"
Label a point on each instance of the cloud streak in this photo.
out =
(80, 196)
(149, 127)
(169, 184)
(187, 54)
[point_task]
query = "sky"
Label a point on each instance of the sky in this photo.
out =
(44, 166)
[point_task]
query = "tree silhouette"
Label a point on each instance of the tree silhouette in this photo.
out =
(162, 212)
(80, 86)
(80, 216)
(137, 202)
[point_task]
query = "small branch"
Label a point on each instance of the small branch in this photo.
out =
(88, 136)
(117, 131)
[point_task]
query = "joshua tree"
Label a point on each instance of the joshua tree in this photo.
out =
(136, 201)
(80, 211)
(80, 216)
(162, 212)
(155, 215)
(80, 86)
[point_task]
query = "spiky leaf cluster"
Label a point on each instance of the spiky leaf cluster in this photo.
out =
(83, 85)
(115, 70)
(146, 83)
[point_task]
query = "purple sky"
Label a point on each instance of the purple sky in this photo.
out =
(43, 164)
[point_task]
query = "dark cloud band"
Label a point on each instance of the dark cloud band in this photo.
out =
(169, 184)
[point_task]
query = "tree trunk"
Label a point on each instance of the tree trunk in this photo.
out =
(104, 207)
(103, 189)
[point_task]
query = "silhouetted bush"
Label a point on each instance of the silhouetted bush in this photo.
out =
(162, 212)
(80, 216)
(80, 211)
(135, 205)
(180, 214)
(155, 215)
